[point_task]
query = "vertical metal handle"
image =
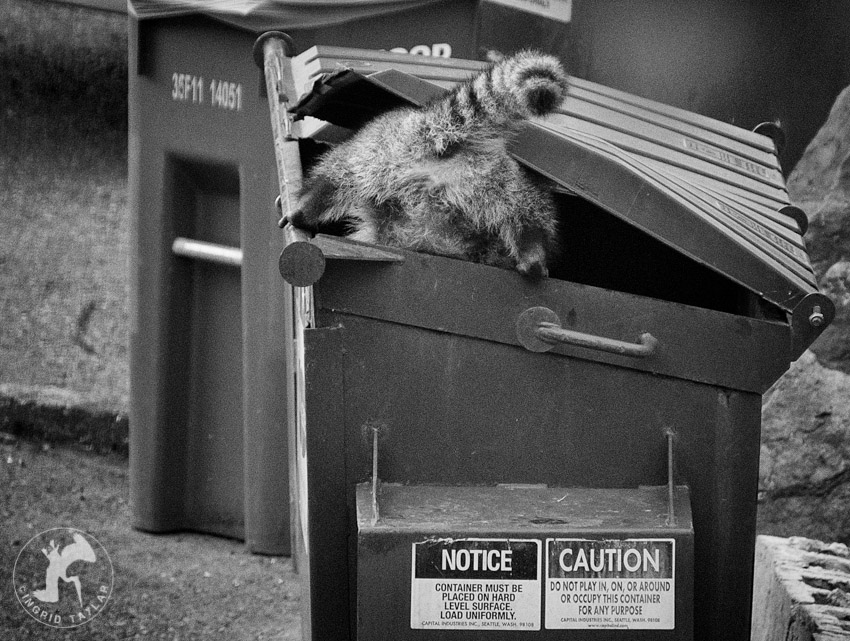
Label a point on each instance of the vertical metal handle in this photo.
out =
(539, 330)
(272, 53)
(301, 263)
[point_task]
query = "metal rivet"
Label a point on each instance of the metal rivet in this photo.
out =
(816, 318)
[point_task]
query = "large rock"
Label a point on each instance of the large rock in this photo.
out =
(804, 479)
(804, 476)
(820, 186)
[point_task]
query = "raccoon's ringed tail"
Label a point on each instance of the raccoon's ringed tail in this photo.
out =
(537, 82)
(544, 97)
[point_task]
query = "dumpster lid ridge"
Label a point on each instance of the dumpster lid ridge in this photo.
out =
(709, 190)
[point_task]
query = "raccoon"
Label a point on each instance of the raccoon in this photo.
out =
(439, 179)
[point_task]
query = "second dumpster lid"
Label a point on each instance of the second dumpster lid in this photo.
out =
(262, 15)
(710, 190)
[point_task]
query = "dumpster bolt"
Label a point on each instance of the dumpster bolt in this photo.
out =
(816, 318)
(282, 98)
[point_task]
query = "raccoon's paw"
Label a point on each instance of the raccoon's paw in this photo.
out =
(531, 253)
(302, 221)
(532, 266)
(430, 181)
(314, 201)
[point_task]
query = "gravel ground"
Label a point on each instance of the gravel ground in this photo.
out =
(176, 587)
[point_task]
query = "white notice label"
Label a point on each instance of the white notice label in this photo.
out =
(610, 584)
(476, 584)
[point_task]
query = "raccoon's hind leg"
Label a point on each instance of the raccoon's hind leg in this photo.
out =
(537, 236)
(515, 209)
(531, 247)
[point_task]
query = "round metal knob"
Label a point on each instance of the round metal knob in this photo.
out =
(816, 318)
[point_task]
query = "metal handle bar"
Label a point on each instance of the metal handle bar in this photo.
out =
(211, 252)
(539, 330)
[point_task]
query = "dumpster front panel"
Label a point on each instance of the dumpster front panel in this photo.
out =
(475, 412)
(483, 302)
(448, 562)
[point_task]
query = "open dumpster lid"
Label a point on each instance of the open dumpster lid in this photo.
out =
(710, 190)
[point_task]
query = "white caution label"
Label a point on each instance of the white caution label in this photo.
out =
(610, 584)
(476, 584)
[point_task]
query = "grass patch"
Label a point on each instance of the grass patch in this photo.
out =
(63, 199)
(177, 587)
(64, 83)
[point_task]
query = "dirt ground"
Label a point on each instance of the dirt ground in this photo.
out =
(176, 587)
(63, 200)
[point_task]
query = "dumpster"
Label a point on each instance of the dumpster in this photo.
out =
(479, 455)
(208, 348)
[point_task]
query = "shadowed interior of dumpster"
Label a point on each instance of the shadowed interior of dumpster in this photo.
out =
(599, 249)
(602, 250)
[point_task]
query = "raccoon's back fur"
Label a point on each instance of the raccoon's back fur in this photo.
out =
(439, 179)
